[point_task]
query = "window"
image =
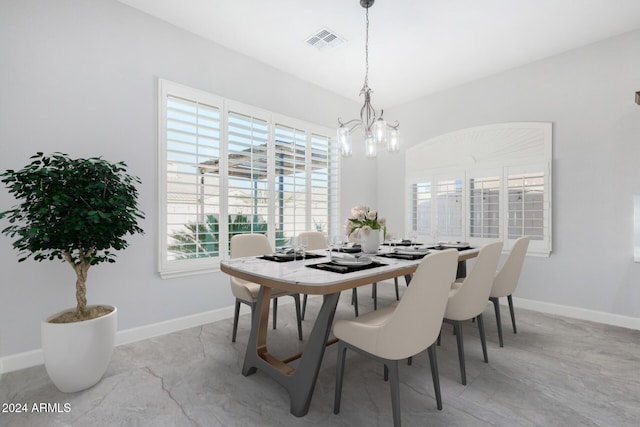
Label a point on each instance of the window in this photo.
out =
(484, 206)
(229, 168)
(503, 190)
(449, 209)
(526, 206)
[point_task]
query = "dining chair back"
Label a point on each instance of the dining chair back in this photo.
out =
(244, 245)
(315, 239)
(468, 299)
(506, 280)
(404, 330)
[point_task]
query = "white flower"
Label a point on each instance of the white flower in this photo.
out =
(363, 220)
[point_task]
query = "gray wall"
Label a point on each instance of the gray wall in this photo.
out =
(588, 95)
(80, 77)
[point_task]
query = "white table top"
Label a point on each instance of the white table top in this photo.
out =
(294, 276)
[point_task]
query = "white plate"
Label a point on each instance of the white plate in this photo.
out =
(454, 244)
(361, 261)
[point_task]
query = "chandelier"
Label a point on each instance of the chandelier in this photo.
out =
(376, 130)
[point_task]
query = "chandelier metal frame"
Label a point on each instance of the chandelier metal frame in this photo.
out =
(376, 130)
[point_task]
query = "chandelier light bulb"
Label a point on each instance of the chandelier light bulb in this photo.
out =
(393, 145)
(380, 131)
(344, 141)
(370, 146)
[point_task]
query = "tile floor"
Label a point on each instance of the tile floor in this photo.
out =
(555, 372)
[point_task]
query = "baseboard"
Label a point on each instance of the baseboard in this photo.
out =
(27, 359)
(578, 313)
(31, 358)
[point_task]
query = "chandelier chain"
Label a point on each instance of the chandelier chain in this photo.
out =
(366, 52)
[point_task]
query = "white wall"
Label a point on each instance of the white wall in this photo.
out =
(588, 95)
(80, 77)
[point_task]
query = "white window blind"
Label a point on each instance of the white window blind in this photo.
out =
(526, 206)
(247, 193)
(421, 208)
(449, 209)
(484, 207)
(504, 190)
(291, 181)
(219, 161)
(193, 143)
(324, 183)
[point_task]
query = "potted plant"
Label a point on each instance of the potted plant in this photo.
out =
(365, 225)
(78, 211)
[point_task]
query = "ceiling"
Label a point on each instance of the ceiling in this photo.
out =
(416, 47)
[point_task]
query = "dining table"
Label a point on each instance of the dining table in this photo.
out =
(315, 275)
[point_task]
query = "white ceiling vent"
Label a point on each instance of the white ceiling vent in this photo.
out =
(325, 39)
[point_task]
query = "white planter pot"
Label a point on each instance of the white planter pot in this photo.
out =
(76, 355)
(370, 242)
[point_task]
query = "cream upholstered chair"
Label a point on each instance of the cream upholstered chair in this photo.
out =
(506, 280)
(403, 330)
(315, 240)
(468, 299)
(243, 245)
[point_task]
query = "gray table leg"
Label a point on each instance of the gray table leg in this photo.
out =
(462, 270)
(299, 382)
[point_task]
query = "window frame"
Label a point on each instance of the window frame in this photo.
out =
(184, 267)
(511, 149)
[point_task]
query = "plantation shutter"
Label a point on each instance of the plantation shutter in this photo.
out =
(484, 207)
(247, 174)
(449, 209)
(290, 150)
(192, 180)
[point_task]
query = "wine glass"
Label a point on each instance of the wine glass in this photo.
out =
(333, 245)
(303, 243)
(293, 246)
(413, 237)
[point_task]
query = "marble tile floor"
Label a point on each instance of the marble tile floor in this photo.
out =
(555, 372)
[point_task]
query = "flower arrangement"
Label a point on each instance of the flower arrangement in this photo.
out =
(363, 220)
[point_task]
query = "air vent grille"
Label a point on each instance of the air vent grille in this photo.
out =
(325, 39)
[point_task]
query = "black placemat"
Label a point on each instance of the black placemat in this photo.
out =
(404, 256)
(349, 249)
(441, 248)
(289, 257)
(403, 243)
(339, 268)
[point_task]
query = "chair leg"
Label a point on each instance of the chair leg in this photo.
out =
(395, 282)
(513, 314)
(394, 382)
(342, 350)
(457, 327)
(433, 361)
(296, 299)
(496, 308)
(374, 291)
(235, 321)
(275, 312)
(304, 306)
(354, 300)
(483, 338)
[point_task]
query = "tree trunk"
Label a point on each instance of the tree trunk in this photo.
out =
(81, 288)
(81, 268)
